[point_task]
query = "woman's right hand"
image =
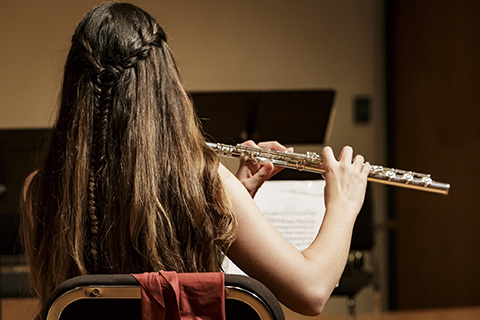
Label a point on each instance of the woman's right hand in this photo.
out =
(346, 180)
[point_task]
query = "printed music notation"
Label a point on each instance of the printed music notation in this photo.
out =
(295, 208)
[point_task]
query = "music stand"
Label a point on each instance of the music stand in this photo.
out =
(290, 117)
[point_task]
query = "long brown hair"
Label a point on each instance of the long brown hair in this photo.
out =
(128, 184)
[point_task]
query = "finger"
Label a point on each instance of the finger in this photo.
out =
(249, 143)
(273, 145)
(366, 168)
(276, 169)
(243, 171)
(358, 163)
(328, 155)
(346, 155)
(257, 180)
(358, 160)
(265, 171)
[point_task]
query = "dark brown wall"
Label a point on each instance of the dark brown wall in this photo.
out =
(434, 109)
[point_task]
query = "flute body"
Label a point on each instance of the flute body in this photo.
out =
(312, 162)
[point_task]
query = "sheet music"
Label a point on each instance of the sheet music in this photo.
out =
(295, 208)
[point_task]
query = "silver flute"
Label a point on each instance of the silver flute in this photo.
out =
(312, 162)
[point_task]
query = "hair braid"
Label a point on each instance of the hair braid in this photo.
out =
(95, 164)
(104, 78)
(93, 221)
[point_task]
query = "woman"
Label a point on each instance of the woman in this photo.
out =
(128, 184)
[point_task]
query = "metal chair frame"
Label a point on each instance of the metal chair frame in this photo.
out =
(113, 291)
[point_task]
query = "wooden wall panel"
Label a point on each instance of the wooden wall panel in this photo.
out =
(435, 110)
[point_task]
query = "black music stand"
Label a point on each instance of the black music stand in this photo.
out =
(290, 117)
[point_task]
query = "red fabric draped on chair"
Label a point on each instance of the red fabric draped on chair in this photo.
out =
(182, 296)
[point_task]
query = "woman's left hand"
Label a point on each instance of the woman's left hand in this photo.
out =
(253, 175)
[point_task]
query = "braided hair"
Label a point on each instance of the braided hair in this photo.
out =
(128, 183)
(105, 68)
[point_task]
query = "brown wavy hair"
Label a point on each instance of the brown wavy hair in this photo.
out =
(127, 184)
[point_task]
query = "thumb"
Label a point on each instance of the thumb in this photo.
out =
(262, 175)
(257, 180)
(265, 172)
